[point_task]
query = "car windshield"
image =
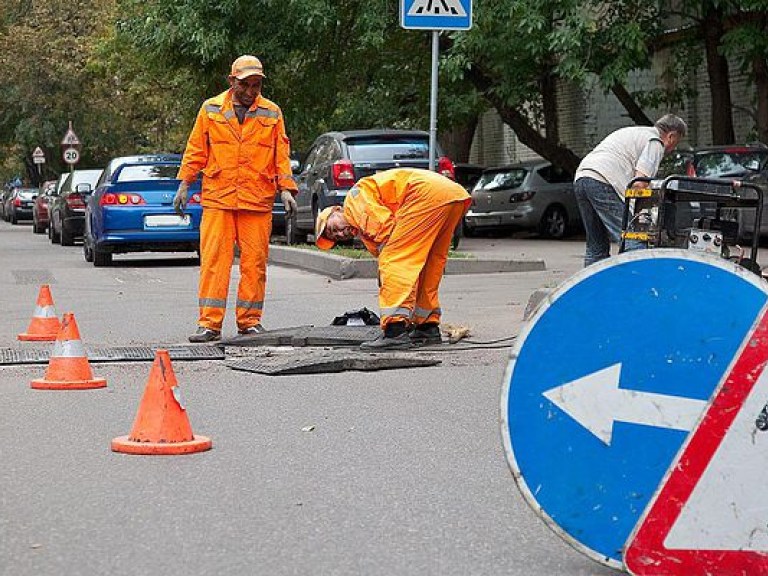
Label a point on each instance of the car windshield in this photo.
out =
(26, 193)
(381, 149)
(717, 164)
(501, 180)
(147, 172)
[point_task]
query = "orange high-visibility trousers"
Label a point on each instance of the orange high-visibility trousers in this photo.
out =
(412, 262)
(219, 230)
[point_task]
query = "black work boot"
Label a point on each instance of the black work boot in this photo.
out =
(426, 334)
(204, 334)
(394, 337)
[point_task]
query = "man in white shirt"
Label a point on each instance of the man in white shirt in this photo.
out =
(604, 173)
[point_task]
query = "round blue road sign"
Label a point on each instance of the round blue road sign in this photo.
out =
(608, 378)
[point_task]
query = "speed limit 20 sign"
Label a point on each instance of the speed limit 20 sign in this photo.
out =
(71, 155)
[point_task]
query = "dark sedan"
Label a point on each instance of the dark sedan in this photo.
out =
(40, 206)
(67, 210)
(19, 204)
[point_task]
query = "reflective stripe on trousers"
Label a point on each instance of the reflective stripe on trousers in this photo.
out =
(219, 231)
(412, 263)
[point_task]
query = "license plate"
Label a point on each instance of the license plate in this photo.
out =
(167, 221)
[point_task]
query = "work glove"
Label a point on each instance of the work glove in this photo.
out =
(289, 202)
(180, 200)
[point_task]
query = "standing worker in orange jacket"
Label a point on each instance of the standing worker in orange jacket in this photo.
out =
(239, 144)
(406, 217)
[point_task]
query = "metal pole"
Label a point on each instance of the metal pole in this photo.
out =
(433, 103)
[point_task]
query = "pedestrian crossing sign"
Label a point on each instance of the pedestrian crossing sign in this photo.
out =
(436, 14)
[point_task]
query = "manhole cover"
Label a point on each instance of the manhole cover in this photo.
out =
(309, 336)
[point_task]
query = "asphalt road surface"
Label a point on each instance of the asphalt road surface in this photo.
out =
(391, 472)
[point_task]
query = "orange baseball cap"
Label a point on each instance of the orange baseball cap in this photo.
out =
(322, 220)
(247, 66)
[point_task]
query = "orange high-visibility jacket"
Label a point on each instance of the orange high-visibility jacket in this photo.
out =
(244, 164)
(377, 202)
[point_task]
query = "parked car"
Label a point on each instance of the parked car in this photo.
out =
(278, 209)
(67, 210)
(40, 206)
(131, 210)
(532, 195)
(5, 194)
(336, 160)
(18, 206)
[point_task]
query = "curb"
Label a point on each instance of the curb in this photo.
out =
(341, 268)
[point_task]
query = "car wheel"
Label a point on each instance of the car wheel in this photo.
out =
(87, 251)
(468, 231)
(554, 223)
(291, 232)
(101, 259)
(37, 228)
(14, 219)
(55, 235)
(67, 238)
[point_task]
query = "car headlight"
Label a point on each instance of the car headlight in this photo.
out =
(521, 196)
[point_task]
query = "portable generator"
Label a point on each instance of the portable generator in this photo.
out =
(700, 214)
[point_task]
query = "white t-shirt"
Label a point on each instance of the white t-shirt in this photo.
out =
(622, 153)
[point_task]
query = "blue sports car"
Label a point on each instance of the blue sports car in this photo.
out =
(131, 210)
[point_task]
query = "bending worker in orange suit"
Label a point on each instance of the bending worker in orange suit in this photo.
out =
(406, 217)
(239, 144)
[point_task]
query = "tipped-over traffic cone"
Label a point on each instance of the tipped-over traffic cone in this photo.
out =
(68, 367)
(44, 324)
(161, 425)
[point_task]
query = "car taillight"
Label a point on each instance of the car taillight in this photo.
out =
(446, 168)
(75, 201)
(17, 202)
(521, 196)
(112, 199)
(195, 198)
(343, 173)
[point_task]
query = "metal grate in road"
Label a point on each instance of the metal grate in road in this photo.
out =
(14, 356)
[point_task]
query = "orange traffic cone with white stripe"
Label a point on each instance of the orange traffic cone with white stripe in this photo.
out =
(161, 425)
(68, 367)
(44, 324)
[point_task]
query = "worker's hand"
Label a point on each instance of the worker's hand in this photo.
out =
(180, 200)
(289, 202)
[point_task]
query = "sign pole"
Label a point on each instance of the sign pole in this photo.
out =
(433, 100)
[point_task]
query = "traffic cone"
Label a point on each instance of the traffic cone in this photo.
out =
(68, 367)
(44, 324)
(161, 425)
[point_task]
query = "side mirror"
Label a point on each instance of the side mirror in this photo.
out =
(295, 166)
(83, 188)
(753, 165)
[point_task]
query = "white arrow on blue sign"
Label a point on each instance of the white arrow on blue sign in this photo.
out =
(609, 377)
(436, 14)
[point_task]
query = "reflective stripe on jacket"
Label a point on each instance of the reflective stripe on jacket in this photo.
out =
(243, 165)
(377, 202)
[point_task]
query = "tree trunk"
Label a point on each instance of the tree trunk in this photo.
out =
(760, 70)
(719, 81)
(457, 142)
(630, 105)
(549, 101)
(545, 146)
